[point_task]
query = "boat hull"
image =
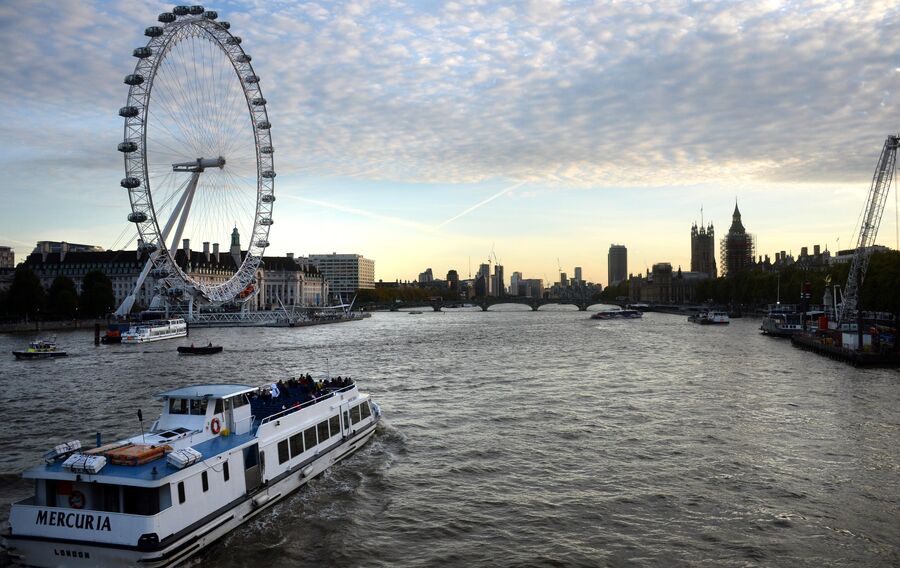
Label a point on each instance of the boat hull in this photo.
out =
(49, 552)
(200, 350)
(39, 355)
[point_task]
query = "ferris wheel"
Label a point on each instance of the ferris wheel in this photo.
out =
(198, 156)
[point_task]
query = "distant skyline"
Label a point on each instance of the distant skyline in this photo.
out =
(424, 134)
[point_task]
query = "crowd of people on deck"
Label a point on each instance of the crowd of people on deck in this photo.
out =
(296, 391)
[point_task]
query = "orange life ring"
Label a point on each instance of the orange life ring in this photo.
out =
(215, 426)
(76, 500)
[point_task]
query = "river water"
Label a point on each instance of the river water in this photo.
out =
(519, 438)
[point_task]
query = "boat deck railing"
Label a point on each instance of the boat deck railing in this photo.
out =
(307, 404)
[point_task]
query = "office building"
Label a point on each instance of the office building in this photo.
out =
(617, 264)
(345, 273)
(7, 257)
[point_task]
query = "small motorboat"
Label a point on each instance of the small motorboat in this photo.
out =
(41, 349)
(202, 350)
(415, 313)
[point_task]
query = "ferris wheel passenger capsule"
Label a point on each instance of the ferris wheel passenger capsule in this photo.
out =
(142, 52)
(265, 221)
(130, 182)
(268, 174)
(138, 217)
(154, 31)
(243, 58)
(134, 79)
(129, 111)
(234, 40)
(264, 125)
(196, 10)
(258, 101)
(266, 150)
(210, 14)
(166, 17)
(127, 146)
(252, 79)
(268, 198)
(181, 10)
(262, 244)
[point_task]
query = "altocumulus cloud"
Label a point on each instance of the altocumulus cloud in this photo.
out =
(571, 93)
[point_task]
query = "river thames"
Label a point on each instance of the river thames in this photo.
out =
(519, 438)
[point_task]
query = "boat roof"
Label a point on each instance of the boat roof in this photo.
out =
(149, 472)
(207, 391)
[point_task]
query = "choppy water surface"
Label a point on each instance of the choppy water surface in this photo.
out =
(515, 438)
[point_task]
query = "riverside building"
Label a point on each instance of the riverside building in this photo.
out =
(345, 273)
(280, 280)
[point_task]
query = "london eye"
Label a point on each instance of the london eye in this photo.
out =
(198, 156)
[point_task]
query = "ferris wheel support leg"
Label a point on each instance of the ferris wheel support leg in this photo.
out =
(128, 303)
(189, 198)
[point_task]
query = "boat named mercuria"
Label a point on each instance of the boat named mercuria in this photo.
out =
(218, 456)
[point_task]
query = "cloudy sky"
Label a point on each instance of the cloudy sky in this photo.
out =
(424, 134)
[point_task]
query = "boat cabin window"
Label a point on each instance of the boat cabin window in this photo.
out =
(354, 414)
(283, 454)
(335, 424)
(198, 407)
(364, 410)
(309, 437)
(297, 444)
(194, 406)
(204, 478)
(181, 496)
(219, 407)
(240, 401)
(250, 457)
(225, 473)
(323, 430)
(140, 500)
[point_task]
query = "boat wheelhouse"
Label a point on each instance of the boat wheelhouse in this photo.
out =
(218, 456)
(155, 330)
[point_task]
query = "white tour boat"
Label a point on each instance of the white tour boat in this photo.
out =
(710, 317)
(218, 456)
(155, 330)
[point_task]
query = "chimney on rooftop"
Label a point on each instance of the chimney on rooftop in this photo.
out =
(206, 250)
(816, 250)
(290, 255)
(186, 245)
(216, 252)
(63, 249)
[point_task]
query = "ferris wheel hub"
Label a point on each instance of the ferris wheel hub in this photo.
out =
(199, 165)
